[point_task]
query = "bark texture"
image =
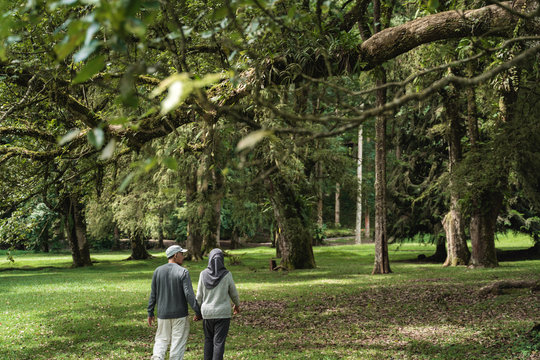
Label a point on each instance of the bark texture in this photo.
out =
(138, 247)
(488, 202)
(194, 237)
(382, 261)
(457, 251)
(454, 24)
(482, 228)
(75, 227)
(453, 223)
(293, 238)
(337, 206)
(359, 164)
(160, 230)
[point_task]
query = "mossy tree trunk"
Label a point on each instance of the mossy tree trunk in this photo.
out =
(337, 207)
(440, 250)
(211, 208)
(160, 229)
(381, 19)
(382, 260)
(293, 224)
(138, 246)
(457, 251)
(488, 200)
(194, 238)
(212, 186)
(482, 228)
(235, 239)
(75, 227)
(359, 176)
(116, 238)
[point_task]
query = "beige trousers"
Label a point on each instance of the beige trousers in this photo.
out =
(172, 332)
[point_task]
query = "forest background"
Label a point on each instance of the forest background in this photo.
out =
(213, 123)
(192, 120)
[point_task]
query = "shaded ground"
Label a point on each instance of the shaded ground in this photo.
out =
(532, 253)
(414, 318)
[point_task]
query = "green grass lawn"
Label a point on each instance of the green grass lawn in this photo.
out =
(336, 311)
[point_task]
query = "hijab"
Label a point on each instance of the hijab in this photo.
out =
(212, 275)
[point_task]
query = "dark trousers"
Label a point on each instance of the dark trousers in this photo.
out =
(215, 334)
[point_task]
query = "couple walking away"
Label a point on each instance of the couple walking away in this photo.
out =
(172, 292)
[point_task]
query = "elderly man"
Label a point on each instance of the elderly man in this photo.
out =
(172, 292)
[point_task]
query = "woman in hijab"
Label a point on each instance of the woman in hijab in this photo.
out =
(215, 291)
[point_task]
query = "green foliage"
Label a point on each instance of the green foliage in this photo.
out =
(9, 255)
(244, 90)
(243, 216)
(417, 183)
(319, 233)
(100, 222)
(234, 259)
(28, 228)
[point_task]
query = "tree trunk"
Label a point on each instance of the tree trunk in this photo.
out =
(75, 228)
(320, 204)
(212, 197)
(138, 247)
(72, 240)
(367, 230)
(212, 185)
(219, 184)
(80, 227)
(440, 250)
(382, 260)
(160, 230)
(275, 242)
(337, 210)
(116, 238)
(488, 202)
(194, 238)
(217, 214)
(59, 229)
(235, 239)
(44, 238)
(358, 232)
(457, 250)
(293, 236)
(483, 222)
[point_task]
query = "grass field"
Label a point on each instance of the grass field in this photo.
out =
(336, 311)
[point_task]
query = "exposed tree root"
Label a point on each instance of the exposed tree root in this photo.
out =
(498, 287)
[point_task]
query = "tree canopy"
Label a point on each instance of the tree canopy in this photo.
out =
(218, 93)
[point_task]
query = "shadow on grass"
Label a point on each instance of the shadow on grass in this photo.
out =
(426, 320)
(88, 331)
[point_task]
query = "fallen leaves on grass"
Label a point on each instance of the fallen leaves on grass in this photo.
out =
(416, 315)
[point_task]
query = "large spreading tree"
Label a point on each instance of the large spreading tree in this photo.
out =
(109, 77)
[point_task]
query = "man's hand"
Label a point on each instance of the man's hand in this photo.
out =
(197, 318)
(236, 309)
(150, 320)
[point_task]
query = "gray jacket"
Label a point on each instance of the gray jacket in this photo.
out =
(216, 303)
(172, 292)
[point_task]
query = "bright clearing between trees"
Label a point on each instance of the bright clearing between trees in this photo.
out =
(335, 311)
